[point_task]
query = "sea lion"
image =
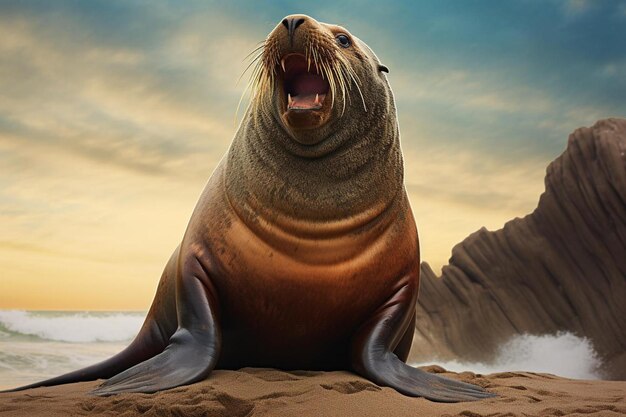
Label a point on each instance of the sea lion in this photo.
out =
(302, 252)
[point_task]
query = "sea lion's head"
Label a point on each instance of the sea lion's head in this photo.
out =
(313, 78)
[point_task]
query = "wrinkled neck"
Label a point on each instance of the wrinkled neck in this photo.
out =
(357, 180)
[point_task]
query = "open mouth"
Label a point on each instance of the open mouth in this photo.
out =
(304, 87)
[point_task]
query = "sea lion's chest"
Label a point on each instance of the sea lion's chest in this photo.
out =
(266, 270)
(291, 283)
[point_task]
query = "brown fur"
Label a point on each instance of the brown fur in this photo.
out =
(302, 252)
(356, 161)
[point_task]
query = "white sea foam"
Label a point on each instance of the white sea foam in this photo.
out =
(24, 362)
(563, 354)
(73, 327)
(69, 341)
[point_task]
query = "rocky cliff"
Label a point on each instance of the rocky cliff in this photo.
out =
(561, 268)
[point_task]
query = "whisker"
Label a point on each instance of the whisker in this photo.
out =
(248, 87)
(341, 86)
(355, 78)
(358, 89)
(317, 65)
(254, 50)
(330, 64)
(253, 85)
(332, 82)
(248, 67)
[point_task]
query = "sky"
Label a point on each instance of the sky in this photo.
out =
(113, 115)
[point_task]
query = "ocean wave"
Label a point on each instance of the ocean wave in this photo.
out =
(71, 326)
(563, 354)
(25, 362)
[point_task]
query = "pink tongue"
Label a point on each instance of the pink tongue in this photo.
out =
(306, 101)
(304, 87)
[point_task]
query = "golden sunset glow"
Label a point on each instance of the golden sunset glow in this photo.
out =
(111, 122)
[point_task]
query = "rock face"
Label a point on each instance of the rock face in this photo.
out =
(561, 268)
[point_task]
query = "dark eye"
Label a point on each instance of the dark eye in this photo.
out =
(343, 40)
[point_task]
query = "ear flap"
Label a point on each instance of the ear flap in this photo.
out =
(383, 68)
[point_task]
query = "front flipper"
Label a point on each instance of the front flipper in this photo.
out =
(373, 357)
(192, 351)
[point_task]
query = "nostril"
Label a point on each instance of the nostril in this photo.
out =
(292, 23)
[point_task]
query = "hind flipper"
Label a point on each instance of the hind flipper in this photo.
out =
(373, 358)
(184, 361)
(151, 340)
(148, 343)
(192, 351)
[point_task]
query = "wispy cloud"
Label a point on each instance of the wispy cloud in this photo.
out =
(113, 114)
(143, 109)
(455, 190)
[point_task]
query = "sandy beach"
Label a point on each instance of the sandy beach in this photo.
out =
(270, 392)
